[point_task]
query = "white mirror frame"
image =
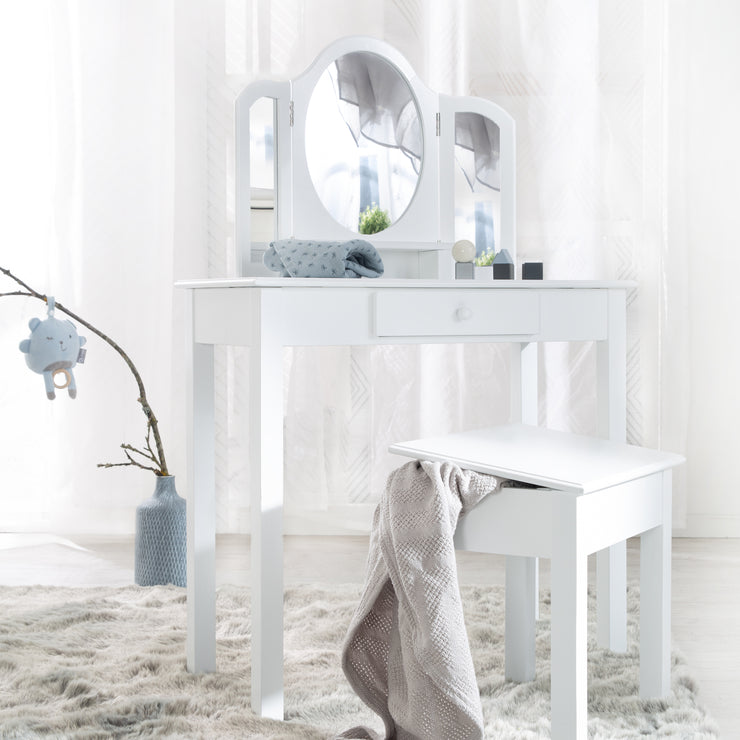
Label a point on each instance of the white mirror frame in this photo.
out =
(448, 107)
(299, 211)
(279, 92)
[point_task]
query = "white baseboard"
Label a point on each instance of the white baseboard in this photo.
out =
(709, 525)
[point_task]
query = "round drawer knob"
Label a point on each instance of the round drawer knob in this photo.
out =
(463, 313)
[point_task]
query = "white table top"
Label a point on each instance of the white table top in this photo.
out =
(386, 283)
(543, 457)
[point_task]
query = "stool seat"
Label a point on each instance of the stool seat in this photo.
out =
(589, 494)
(543, 457)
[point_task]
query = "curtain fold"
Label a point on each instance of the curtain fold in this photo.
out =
(584, 83)
(377, 103)
(480, 139)
(86, 193)
(118, 178)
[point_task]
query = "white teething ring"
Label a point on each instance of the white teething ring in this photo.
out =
(67, 377)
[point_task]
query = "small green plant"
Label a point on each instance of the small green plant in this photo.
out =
(485, 259)
(374, 219)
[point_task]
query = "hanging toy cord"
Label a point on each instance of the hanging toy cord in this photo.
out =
(50, 303)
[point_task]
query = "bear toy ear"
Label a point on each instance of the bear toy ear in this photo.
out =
(33, 323)
(82, 340)
(25, 346)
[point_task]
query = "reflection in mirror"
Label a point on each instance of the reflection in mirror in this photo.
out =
(262, 172)
(364, 145)
(478, 182)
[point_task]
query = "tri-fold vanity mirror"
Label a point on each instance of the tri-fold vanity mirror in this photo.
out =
(358, 134)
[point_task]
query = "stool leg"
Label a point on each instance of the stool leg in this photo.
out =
(568, 697)
(521, 607)
(611, 597)
(655, 600)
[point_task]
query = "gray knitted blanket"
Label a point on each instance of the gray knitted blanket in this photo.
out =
(406, 652)
(323, 259)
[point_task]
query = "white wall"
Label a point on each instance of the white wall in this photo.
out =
(712, 150)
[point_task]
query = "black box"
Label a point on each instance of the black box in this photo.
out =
(503, 271)
(532, 271)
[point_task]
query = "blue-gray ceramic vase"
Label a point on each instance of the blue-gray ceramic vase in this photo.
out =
(161, 532)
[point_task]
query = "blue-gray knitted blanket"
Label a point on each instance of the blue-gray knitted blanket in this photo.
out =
(323, 259)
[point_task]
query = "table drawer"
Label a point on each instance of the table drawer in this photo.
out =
(456, 313)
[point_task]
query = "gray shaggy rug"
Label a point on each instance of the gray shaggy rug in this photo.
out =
(109, 663)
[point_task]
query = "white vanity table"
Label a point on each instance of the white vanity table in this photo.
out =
(268, 314)
(416, 301)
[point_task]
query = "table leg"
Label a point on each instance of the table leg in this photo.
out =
(568, 695)
(655, 600)
(266, 465)
(520, 618)
(525, 405)
(611, 597)
(611, 563)
(524, 383)
(201, 514)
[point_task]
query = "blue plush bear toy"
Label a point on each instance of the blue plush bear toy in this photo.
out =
(53, 349)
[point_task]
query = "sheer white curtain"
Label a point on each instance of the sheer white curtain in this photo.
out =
(85, 186)
(585, 82)
(117, 178)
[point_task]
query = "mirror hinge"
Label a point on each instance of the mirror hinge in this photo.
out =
(291, 112)
(438, 123)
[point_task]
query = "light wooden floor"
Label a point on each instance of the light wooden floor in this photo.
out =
(706, 597)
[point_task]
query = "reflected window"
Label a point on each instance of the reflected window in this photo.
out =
(477, 181)
(369, 193)
(363, 139)
(485, 240)
(262, 144)
(262, 171)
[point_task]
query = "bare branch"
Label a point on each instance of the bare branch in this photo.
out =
(128, 465)
(152, 424)
(18, 280)
(149, 444)
(139, 452)
(17, 292)
(131, 462)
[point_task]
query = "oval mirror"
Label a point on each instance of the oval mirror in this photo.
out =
(364, 143)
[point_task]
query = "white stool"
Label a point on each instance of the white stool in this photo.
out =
(593, 494)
